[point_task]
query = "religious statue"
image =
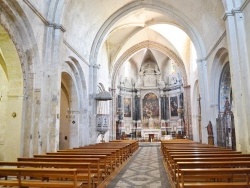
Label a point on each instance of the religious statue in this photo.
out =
(209, 129)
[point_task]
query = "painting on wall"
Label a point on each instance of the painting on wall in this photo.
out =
(174, 106)
(127, 107)
(150, 106)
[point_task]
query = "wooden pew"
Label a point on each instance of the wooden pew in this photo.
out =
(106, 161)
(117, 151)
(187, 147)
(171, 165)
(94, 163)
(83, 168)
(173, 152)
(205, 159)
(239, 158)
(122, 146)
(113, 158)
(121, 153)
(170, 154)
(125, 148)
(59, 177)
(134, 144)
(170, 162)
(205, 178)
(209, 164)
(116, 160)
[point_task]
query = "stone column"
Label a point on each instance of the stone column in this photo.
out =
(113, 111)
(239, 68)
(187, 112)
(92, 102)
(51, 89)
(204, 98)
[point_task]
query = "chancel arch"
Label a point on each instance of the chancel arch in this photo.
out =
(150, 99)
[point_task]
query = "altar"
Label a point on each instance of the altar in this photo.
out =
(154, 133)
(152, 107)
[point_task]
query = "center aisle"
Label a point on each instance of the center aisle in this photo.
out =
(144, 170)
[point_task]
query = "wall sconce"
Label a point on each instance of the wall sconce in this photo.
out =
(1, 97)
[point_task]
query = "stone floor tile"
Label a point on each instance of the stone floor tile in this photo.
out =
(144, 170)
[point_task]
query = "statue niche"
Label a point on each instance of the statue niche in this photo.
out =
(148, 74)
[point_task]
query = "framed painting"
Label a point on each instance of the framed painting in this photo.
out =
(150, 106)
(174, 106)
(127, 107)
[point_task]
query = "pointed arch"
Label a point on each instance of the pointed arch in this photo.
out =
(157, 6)
(148, 44)
(14, 21)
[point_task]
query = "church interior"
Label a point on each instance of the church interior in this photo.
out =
(75, 73)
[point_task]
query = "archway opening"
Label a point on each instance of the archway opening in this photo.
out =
(225, 120)
(69, 121)
(11, 98)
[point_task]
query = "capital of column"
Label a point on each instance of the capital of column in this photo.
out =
(230, 13)
(233, 9)
(95, 66)
(202, 61)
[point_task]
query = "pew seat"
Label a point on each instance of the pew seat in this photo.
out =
(35, 177)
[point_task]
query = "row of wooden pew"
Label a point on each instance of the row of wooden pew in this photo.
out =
(190, 164)
(87, 166)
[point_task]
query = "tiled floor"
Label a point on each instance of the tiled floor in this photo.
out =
(144, 170)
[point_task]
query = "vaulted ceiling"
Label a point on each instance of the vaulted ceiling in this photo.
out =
(118, 26)
(133, 21)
